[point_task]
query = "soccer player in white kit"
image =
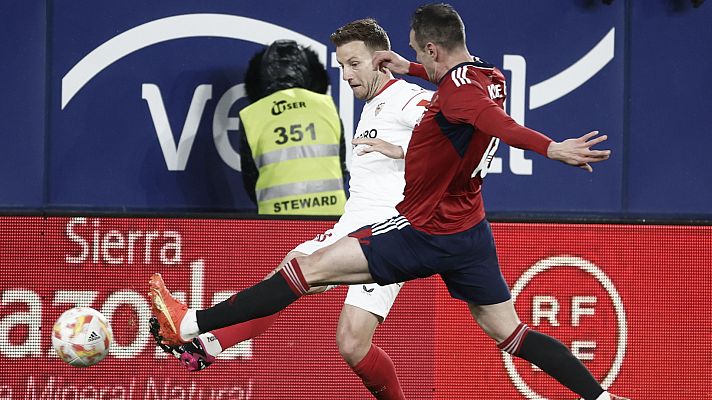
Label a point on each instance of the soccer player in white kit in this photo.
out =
(392, 109)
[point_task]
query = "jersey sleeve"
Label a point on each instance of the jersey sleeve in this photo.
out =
(418, 71)
(470, 104)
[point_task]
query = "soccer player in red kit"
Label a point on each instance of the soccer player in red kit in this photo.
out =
(441, 228)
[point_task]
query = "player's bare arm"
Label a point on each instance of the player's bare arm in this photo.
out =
(381, 146)
(577, 151)
(390, 60)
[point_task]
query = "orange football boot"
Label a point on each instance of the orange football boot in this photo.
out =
(168, 310)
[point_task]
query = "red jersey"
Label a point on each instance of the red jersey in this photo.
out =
(453, 145)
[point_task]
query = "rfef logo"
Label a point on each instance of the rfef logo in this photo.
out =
(573, 300)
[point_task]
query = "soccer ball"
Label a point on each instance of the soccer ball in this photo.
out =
(81, 336)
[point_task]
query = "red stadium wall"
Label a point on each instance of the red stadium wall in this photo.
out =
(633, 301)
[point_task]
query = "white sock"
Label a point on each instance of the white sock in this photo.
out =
(189, 326)
(211, 344)
(604, 396)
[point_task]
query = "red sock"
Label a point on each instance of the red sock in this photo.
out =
(234, 334)
(378, 374)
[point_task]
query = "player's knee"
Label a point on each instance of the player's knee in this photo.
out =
(497, 321)
(291, 255)
(352, 347)
(314, 268)
(307, 262)
(497, 335)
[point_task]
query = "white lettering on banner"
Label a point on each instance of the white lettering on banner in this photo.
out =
(118, 248)
(549, 312)
(53, 387)
(577, 310)
(32, 318)
(223, 124)
(574, 75)
(197, 272)
(157, 390)
(57, 388)
(6, 393)
(518, 65)
(540, 311)
(176, 157)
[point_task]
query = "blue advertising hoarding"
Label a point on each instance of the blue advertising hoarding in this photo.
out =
(668, 157)
(22, 105)
(143, 100)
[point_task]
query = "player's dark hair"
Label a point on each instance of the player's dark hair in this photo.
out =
(440, 24)
(366, 30)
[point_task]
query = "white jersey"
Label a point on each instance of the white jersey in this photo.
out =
(377, 181)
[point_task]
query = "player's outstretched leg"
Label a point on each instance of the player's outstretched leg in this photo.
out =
(554, 358)
(341, 262)
(501, 323)
(179, 325)
(203, 350)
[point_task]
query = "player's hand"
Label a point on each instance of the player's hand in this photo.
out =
(390, 60)
(577, 152)
(381, 146)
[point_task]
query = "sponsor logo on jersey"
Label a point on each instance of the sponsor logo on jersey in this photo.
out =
(368, 134)
(495, 91)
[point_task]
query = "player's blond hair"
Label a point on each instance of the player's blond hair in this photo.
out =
(366, 30)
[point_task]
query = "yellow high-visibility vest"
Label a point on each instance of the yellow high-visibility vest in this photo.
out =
(294, 135)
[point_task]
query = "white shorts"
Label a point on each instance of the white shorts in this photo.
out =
(370, 297)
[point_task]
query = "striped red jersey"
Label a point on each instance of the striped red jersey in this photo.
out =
(453, 145)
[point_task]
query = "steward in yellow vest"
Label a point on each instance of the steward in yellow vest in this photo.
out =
(292, 148)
